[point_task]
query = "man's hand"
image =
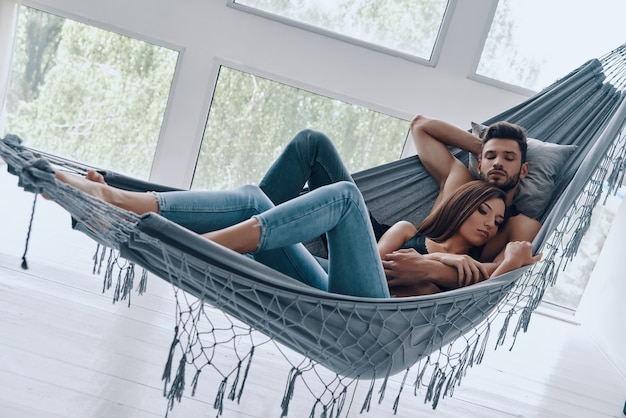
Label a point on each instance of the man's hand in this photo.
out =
(469, 270)
(516, 254)
(404, 267)
(407, 267)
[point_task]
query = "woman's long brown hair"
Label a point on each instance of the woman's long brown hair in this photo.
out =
(447, 218)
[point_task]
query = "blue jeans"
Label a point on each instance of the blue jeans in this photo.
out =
(310, 158)
(337, 210)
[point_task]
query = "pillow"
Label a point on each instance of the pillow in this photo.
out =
(545, 161)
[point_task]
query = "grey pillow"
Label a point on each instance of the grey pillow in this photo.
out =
(545, 161)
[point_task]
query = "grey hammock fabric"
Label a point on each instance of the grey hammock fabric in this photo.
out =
(360, 338)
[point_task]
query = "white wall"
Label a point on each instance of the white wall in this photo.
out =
(210, 33)
(602, 310)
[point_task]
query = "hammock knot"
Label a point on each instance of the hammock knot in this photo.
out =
(36, 175)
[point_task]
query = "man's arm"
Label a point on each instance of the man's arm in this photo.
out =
(432, 138)
(516, 255)
(407, 267)
(517, 228)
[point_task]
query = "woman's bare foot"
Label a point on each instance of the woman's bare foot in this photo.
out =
(93, 175)
(94, 185)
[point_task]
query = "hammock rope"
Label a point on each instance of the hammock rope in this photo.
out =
(436, 338)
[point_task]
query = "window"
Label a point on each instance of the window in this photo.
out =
(252, 119)
(404, 26)
(531, 43)
(88, 94)
(572, 282)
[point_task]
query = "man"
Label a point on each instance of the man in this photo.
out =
(501, 162)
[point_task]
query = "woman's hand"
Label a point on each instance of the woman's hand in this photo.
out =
(469, 270)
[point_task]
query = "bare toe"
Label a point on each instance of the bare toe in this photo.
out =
(93, 175)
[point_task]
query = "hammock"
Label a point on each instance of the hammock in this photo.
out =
(360, 338)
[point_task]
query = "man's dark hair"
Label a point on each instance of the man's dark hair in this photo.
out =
(507, 130)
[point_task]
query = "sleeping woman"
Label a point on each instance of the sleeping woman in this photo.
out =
(246, 221)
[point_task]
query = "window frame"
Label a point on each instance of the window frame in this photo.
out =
(180, 50)
(220, 61)
(432, 62)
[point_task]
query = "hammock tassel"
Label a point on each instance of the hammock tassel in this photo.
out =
(233, 388)
(30, 228)
(368, 398)
(483, 347)
(178, 384)
(341, 400)
(451, 382)
(396, 401)
(108, 274)
(504, 329)
(219, 399)
(312, 413)
(434, 387)
(455, 378)
(293, 375)
(143, 282)
(383, 387)
(194, 382)
(167, 372)
(118, 287)
(245, 375)
(420, 376)
(129, 279)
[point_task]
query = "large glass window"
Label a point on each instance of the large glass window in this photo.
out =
(573, 280)
(88, 94)
(252, 119)
(406, 26)
(531, 43)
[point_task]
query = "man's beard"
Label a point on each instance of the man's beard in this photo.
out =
(510, 182)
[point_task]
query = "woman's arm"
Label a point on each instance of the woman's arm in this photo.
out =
(395, 237)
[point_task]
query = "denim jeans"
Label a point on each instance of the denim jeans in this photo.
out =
(310, 157)
(337, 210)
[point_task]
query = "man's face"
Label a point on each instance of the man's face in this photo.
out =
(501, 163)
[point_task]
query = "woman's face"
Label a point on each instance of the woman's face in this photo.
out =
(483, 224)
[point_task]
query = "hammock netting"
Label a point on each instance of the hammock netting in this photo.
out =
(228, 305)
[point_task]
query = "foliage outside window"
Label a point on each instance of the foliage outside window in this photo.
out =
(532, 43)
(252, 119)
(407, 26)
(573, 280)
(88, 94)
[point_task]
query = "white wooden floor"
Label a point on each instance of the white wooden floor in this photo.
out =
(67, 351)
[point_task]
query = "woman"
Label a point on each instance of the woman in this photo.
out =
(459, 227)
(246, 221)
